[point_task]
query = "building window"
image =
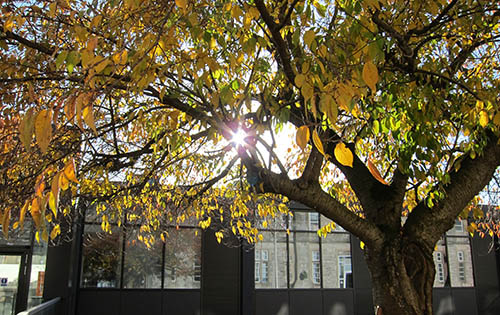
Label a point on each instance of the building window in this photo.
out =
(453, 259)
(461, 265)
(197, 272)
(440, 272)
(313, 221)
(172, 275)
(459, 227)
(316, 267)
(295, 257)
(101, 258)
(261, 266)
(345, 272)
(143, 265)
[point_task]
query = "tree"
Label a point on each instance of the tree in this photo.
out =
(151, 92)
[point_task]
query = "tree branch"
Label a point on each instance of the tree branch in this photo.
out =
(474, 174)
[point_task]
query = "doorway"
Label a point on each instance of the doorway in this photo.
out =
(14, 280)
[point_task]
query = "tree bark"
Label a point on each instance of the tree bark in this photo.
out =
(402, 275)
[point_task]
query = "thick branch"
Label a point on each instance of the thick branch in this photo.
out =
(429, 224)
(323, 203)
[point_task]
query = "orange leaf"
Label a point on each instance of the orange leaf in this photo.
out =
(35, 212)
(22, 214)
(69, 171)
(63, 181)
(374, 171)
(6, 223)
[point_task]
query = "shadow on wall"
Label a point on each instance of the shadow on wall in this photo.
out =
(445, 307)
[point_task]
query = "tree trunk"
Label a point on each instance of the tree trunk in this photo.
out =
(403, 276)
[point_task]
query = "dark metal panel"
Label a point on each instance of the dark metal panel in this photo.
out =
(181, 302)
(485, 263)
(247, 280)
(488, 301)
(98, 302)
(338, 302)
(464, 300)
(442, 301)
(363, 302)
(135, 302)
(220, 277)
(361, 274)
(306, 302)
(271, 302)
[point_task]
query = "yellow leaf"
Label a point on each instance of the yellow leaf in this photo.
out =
(22, 214)
(69, 171)
(299, 80)
(374, 171)
(56, 230)
(100, 64)
(43, 129)
(370, 75)
(181, 4)
(302, 137)
(26, 129)
(343, 154)
(120, 58)
(329, 107)
(317, 142)
(496, 119)
(88, 117)
(309, 37)
(483, 118)
(52, 204)
(362, 245)
(307, 91)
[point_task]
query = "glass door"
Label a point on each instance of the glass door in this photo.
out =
(12, 278)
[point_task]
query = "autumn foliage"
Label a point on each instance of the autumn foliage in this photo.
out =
(393, 107)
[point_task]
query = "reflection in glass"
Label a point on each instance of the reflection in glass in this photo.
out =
(37, 277)
(9, 274)
(142, 265)
(101, 257)
(441, 265)
(303, 247)
(336, 260)
(270, 261)
(182, 259)
(460, 262)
